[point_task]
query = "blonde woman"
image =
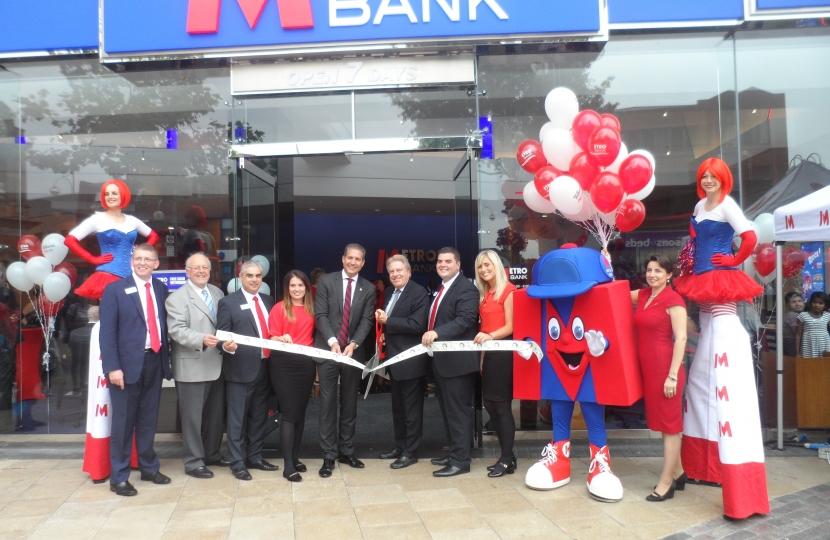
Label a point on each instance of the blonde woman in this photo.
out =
(496, 311)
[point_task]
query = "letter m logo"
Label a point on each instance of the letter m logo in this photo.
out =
(101, 410)
(788, 222)
(721, 360)
(203, 15)
(725, 429)
(723, 395)
(102, 382)
(824, 218)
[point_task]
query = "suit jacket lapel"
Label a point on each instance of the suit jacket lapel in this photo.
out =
(356, 291)
(338, 291)
(199, 302)
(136, 299)
(446, 295)
(251, 315)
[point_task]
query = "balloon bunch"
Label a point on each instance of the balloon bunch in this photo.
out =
(235, 283)
(45, 270)
(763, 262)
(582, 168)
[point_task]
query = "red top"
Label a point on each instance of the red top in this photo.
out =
(492, 310)
(301, 330)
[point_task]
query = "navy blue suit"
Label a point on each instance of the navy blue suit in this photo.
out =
(135, 409)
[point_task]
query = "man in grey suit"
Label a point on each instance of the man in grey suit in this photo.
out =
(343, 310)
(197, 367)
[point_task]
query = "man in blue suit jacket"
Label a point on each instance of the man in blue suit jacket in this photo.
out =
(134, 356)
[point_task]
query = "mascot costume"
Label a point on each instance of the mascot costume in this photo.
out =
(584, 323)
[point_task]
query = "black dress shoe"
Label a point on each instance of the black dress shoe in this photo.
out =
(403, 462)
(300, 467)
(200, 472)
(328, 466)
(125, 489)
(242, 474)
(262, 465)
(440, 461)
(156, 478)
(394, 454)
(221, 463)
(451, 470)
(352, 461)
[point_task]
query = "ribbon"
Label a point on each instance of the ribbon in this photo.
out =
(526, 349)
(314, 353)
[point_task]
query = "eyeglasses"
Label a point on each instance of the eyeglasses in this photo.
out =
(143, 260)
(199, 268)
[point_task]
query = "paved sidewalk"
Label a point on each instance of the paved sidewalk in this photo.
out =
(49, 498)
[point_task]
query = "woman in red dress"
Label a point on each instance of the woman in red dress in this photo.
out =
(292, 375)
(660, 319)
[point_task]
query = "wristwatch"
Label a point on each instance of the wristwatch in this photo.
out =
(355, 343)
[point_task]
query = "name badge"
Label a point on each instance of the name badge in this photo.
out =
(245, 306)
(131, 290)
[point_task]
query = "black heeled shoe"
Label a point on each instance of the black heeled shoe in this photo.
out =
(680, 482)
(293, 477)
(500, 469)
(513, 462)
(655, 497)
(300, 467)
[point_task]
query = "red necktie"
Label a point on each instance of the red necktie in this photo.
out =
(343, 335)
(263, 325)
(152, 327)
(435, 308)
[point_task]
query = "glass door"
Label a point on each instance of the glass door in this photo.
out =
(466, 238)
(255, 223)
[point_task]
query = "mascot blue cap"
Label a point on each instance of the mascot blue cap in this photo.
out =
(568, 271)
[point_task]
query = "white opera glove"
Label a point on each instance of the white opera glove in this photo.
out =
(597, 344)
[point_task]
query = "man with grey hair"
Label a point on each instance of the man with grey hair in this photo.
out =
(343, 314)
(245, 312)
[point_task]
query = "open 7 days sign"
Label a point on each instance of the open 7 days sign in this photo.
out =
(237, 26)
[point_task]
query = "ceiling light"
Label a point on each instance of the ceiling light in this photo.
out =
(142, 155)
(377, 209)
(312, 209)
(668, 152)
(754, 111)
(665, 114)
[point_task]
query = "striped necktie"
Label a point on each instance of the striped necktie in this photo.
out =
(209, 302)
(343, 335)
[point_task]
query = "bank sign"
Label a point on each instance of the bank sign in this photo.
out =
(158, 27)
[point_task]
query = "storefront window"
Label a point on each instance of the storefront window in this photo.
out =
(421, 113)
(276, 119)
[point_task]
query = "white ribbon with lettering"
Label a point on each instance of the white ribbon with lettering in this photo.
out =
(288, 347)
(526, 349)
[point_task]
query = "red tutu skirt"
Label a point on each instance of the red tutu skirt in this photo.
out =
(93, 288)
(718, 287)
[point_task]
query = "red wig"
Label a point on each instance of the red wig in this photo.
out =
(719, 170)
(122, 189)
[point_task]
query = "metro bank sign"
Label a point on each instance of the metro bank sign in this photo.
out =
(187, 27)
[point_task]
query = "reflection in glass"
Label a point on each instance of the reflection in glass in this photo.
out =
(318, 117)
(420, 113)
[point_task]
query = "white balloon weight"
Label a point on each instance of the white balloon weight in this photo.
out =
(566, 195)
(615, 167)
(233, 285)
(534, 200)
(559, 148)
(56, 286)
(765, 228)
(16, 274)
(263, 262)
(265, 289)
(37, 268)
(545, 130)
(587, 210)
(648, 155)
(561, 107)
(54, 249)
(645, 192)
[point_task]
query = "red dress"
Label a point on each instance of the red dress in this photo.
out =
(655, 345)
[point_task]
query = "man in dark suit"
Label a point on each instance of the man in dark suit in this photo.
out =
(245, 312)
(133, 341)
(405, 318)
(343, 310)
(453, 316)
(197, 367)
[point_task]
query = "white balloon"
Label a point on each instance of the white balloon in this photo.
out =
(263, 262)
(264, 289)
(534, 200)
(16, 274)
(559, 148)
(54, 249)
(586, 212)
(56, 286)
(766, 280)
(646, 154)
(610, 218)
(765, 228)
(645, 192)
(37, 268)
(233, 285)
(566, 195)
(544, 131)
(561, 106)
(615, 167)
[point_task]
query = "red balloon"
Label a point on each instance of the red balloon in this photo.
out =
(635, 172)
(584, 124)
(793, 262)
(69, 270)
(607, 192)
(29, 246)
(543, 178)
(530, 156)
(604, 145)
(631, 215)
(764, 262)
(609, 120)
(584, 169)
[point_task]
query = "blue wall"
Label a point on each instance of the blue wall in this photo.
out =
(46, 25)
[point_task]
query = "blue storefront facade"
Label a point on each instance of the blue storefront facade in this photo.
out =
(285, 128)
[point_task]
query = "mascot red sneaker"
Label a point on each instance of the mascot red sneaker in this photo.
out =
(584, 323)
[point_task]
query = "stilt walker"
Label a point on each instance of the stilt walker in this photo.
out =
(722, 426)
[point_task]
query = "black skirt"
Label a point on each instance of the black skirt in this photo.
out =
(497, 375)
(292, 376)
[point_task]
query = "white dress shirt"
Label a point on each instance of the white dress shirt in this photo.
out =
(446, 284)
(250, 298)
(140, 285)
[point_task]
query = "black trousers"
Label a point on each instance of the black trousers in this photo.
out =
(456, 400)
(247, 413)
(202, 410)
(336, 441)
(408, 413)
